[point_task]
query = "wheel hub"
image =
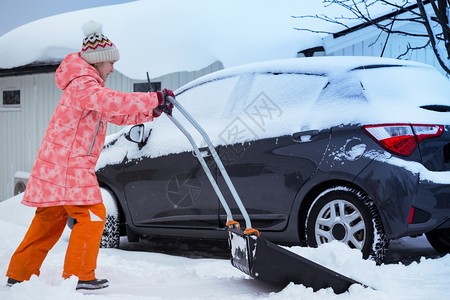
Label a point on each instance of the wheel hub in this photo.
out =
(339, 231)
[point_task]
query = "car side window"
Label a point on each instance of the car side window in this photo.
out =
(206, 103)
(272, 102)
(345, 88)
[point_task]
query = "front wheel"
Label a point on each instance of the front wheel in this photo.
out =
(349, 216)
(439, 239)
(111, 232)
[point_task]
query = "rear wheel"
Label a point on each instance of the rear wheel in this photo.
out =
(348, 216)
(439, 239)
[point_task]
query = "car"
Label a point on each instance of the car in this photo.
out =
(349, 149)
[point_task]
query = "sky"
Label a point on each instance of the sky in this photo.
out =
(14, 13)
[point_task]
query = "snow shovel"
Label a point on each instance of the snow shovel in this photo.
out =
(250, 253)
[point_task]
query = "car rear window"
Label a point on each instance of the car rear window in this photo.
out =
(405, 86)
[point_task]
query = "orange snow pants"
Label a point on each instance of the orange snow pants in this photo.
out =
(45, 230)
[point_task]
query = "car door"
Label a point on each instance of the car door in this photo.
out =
(268, 173)
(168, 187)
(170, 191)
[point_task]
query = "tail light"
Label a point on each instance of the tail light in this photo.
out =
(402, 139)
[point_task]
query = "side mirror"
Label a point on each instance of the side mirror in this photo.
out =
(137, 135)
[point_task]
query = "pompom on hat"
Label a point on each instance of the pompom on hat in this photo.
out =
(96, 46)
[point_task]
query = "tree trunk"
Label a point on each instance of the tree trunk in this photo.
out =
(444, 8)
(443, 61)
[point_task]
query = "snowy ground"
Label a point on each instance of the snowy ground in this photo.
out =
(168, 269)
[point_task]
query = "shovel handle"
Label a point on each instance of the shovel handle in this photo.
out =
(214, 154)
(204, 166)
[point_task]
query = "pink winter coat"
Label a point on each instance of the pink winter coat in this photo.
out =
(64, 170)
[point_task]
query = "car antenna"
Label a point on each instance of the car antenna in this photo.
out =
(150, 88)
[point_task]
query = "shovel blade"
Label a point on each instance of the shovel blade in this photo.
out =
(262, 259)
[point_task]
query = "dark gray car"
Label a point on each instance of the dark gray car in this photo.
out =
(320, 149)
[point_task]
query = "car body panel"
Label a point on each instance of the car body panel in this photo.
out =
(268, 173)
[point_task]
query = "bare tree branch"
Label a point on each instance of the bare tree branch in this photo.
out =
(323, 18)
(436, 25)
(409, 49)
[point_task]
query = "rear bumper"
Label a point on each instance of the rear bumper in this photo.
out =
(411, 200)
(431, 206)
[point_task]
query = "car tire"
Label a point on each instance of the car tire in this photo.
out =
(439, 239)
(111, 232)
(71, 222)
(347, 215)
(19, 188)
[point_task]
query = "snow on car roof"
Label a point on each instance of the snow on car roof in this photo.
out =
(276, 98)
(312, 65)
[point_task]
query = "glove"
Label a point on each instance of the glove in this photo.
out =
(164, 104)
(162, 96)
(157, 111)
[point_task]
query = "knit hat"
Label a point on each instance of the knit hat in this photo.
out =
(96, 46)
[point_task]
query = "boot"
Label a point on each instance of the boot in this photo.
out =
(12, 282)
(92, 284)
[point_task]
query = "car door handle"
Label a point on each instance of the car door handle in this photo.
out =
(304, 136)
(204, 152)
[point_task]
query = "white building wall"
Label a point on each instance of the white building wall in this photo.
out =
(394, 48)
(175, 80)
(22, 130)
(369, 42)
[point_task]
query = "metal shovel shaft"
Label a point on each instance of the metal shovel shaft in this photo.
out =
(216, 159)
(205, 167)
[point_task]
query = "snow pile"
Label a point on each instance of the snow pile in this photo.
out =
(147, 275)
(162, 37)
